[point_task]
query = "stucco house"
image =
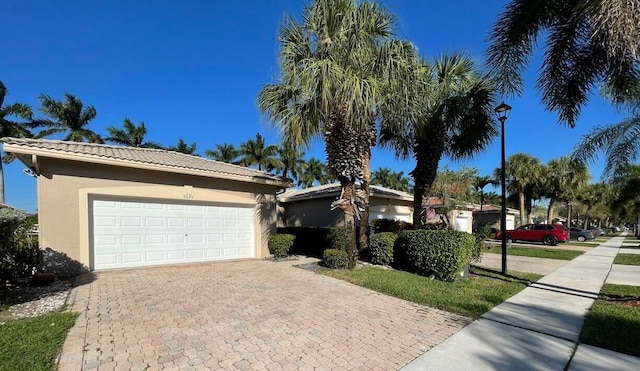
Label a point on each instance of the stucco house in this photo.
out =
(460, 218)
(491, 214)
(310, 207)
(105, 207)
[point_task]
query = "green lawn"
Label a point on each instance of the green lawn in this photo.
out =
(627, 259)
(472, 297)
(538, 252)
(611, 324)
(34, 343)
(594, 243)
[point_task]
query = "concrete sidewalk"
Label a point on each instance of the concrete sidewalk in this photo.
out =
(537, 328)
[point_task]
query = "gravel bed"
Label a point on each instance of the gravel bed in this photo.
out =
(33, 301)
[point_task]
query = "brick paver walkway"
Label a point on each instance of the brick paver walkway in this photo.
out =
(244, 315)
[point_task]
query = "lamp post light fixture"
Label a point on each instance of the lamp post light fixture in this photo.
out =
(502, 111)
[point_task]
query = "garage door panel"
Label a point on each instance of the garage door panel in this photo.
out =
(131, 234)
(131, 221)
(155, 256)
(106, 221)
(132, 258)
(134, 239)
(106, 240)
(176, 255)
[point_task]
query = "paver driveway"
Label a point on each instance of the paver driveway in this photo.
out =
(245, 315)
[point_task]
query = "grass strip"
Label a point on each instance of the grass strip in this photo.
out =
(627, 259)
(613, 322)
(34, 343)
(471, 297)
(536, 252)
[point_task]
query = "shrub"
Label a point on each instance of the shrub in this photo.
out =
(336, 238)
(435, 226)
(19, 252)
(381, 247)
(484, 230)
(443, 254)
(335, 259)
(280, 244)
(388, 225)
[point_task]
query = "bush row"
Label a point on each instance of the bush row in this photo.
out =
(19, 252)
(441, 253)
(314, 241)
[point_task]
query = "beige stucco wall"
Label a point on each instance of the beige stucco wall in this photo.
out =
(493, 219)
(317, 212)
(67, 188)
(309, 213)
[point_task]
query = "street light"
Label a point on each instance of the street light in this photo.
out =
(502, 111)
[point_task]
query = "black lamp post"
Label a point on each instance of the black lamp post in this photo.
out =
(502, 111)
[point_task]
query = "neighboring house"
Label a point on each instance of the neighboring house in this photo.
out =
(311, 207)
(460, 218)
(491, 214)
(104, 207)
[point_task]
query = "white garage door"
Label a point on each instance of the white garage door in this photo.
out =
(135, 234)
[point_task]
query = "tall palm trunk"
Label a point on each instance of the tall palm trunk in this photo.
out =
(523, 211)
(427, 155)
(1, 183)
(345, 155)
(364, 216)
(349, 190)
(552, 204)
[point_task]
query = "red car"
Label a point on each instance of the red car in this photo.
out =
(549, 234)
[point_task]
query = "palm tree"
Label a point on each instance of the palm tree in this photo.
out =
(523, 171)
(334, 66)
(587, 42)
(292, 161)
(183, 147)
(480, 183)
(591, 196)
(223, 152)
(620, 143)
(492, 198)
(68, 117)
(385, 177)
(454, 118)
(382, 176)
(565, 180)
(10, 128)
(130, 135)
(313, 171)
(626, 202)
(255, 153)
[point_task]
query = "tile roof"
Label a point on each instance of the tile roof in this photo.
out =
(134, 157)
(493, 208)
(333, 189)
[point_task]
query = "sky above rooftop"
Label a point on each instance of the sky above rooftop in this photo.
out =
(192, 70)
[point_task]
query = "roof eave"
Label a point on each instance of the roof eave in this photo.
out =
(18, 149)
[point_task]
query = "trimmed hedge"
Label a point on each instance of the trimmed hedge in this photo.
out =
(19, 252)
(280, 244)
(389, 225)
(381, 247)
(313, 241)
(335, 259)
(337, 239)
(443, 254)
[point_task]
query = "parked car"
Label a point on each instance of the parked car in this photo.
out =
(580, 234)
(549, 234)
(598, 232)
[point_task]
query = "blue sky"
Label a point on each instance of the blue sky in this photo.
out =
(192, 69)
